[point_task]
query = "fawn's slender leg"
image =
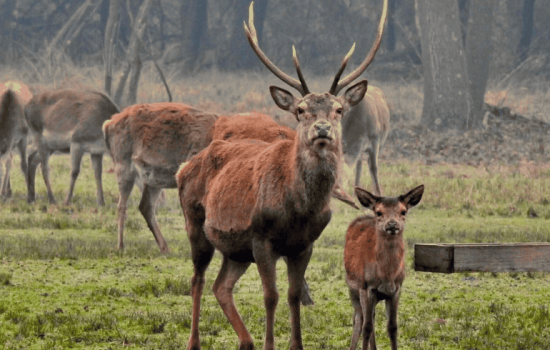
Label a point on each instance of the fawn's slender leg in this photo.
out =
(391, 312)
(357, 317)
(230, 273)
(368, 304)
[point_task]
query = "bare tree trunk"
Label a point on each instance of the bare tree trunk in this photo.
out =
(194, 29)
(72, 28)
(133, 50)
(478, 52)
(390, 27)
(526, 31)
(447, 100)
(464, 9)
(108, 51)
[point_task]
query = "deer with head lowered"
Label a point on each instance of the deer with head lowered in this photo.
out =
(374, 255)
(68, 121)
(257, 202)
(13, 131)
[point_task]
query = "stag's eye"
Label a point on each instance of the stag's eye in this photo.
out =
(379, 213)
(300, 110)
(403, 213)
(339, 111)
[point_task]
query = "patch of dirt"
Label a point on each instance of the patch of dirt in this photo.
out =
(504, 138)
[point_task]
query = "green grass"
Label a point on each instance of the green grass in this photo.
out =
(64, 285)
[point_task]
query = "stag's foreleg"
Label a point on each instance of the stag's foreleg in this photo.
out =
(266, 260)
(147, 205)
(368, 305)
(97, 164)
(229, 274)
(373, 152)
(201, 253)
(296, 270)
(305, 298)
(77, 151)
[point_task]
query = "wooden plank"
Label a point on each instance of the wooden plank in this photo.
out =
(433, 258)
(495, 257)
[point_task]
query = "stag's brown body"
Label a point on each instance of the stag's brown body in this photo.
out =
(68, 121)
(374, 255)
(252, 125)
(13, 131)
(149, 142)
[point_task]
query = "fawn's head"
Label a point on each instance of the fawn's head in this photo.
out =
(390, 212)
(319, 115)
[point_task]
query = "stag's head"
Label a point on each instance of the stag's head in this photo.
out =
(319, 115)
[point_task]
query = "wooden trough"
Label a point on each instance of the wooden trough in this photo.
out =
(482, 257)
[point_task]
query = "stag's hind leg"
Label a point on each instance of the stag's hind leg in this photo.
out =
(230, 273)
(147, 205)
(125, 178)
(97, 164)
(201, 252)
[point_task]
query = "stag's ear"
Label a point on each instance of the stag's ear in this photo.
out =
(355, 94)
(413, 197)
(367, 199)
(282, 98)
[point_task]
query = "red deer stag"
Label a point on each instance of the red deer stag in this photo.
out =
(374, 260)
(257, 202)
(13, 131)
(68, 121)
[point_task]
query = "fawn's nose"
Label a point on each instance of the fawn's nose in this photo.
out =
(322, 129)
(392, 227)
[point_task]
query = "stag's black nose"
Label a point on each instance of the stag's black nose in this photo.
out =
(392, 227)
(322, 129)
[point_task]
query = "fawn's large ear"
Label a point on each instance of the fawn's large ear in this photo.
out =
(413, 197)
(367, 199)
(282, 98)
(355, 94)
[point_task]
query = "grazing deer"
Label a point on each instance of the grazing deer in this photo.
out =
(257, 202)
(13, 131)
(365, 129)
(68, 121)
(374, 255)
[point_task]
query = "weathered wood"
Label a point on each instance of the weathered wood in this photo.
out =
(485, 257)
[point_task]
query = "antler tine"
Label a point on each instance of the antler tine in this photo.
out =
(253, 40)
(370, 57)
(341, 70)
(299, 71)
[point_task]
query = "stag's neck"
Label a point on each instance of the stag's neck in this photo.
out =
(315, 174)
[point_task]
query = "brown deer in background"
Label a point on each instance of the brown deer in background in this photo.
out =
(365, 129)
(374, 254)
(257, 202)
(68, 121)
(13, 131)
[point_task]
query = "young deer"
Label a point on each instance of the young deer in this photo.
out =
(68, 121)
(13, 131)
(257, 202)
(374, 255)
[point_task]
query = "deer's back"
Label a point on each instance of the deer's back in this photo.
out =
(75, 115)
(253, 125)
(359, 248)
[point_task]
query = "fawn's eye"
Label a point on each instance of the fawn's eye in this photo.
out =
(379, 213)
(300, 110)
(403, 213)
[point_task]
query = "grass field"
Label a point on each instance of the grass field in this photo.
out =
(63, 284)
